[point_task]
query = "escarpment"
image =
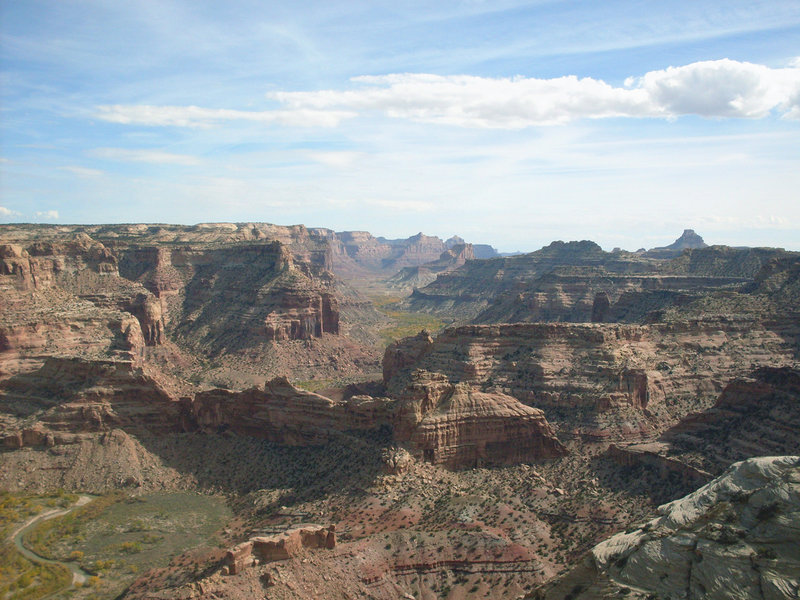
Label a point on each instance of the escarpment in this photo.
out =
(66, 297)
(606, 381)
(562, 281)
(757, 414)
(456, 426)
(246, 298)
(441, 423)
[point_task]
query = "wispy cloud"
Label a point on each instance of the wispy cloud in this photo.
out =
(7, 212)
(83, 172)
(147, 156)
(47, 214)
(340, 159)
(195, 116)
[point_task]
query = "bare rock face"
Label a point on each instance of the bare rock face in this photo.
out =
(457, 426)
(289, 544)
(735, 538)
(405, 353)
(600, 381)
(284, 414)
(755, 415)
(454, 257)
(302, 316)
(69, 397)
(234, 297)
(64, 295)
(359, 253)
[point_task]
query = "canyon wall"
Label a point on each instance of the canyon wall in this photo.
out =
(608, 381)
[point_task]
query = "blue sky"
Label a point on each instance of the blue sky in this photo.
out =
(509, 123)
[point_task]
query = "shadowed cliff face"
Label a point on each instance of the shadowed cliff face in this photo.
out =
(755, 415)
(451, 425)
(95, 394)
(66, 297)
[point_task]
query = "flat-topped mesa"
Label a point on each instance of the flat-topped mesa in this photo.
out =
(42, 264)
(56, 289)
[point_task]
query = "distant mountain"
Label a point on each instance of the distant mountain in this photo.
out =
(480, 251)
(688, 240)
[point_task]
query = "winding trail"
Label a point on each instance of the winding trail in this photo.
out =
(78, 574)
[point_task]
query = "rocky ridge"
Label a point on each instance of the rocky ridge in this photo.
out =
(409, 278)
(733, 538)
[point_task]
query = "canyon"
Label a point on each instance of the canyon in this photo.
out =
(565, 395)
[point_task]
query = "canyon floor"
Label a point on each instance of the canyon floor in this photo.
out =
(279, 412)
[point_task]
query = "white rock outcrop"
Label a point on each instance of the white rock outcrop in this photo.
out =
(737, 537)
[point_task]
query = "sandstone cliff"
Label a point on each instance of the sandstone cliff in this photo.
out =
(457, 426)
(606, 381)
(409, 278)
(755, 415)
(69, 397)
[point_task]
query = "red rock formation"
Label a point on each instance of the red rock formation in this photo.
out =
(72, 396)
(302, 316)
(457, 426)
(284, 414)
(596, 379)
(405, 353)
(289, 544)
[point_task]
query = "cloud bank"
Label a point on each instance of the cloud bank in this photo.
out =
(715, 89)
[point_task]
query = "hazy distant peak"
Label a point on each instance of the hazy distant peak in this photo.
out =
(688, 239)
(454, 241)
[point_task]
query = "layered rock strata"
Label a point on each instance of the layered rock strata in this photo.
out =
(755, 415)
(561, 282)
(291, 543)
(610, 381)
(69, 397)
(409, 278)
(457, 426)
(441, 423)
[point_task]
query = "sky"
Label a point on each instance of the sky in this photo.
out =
(507, 123)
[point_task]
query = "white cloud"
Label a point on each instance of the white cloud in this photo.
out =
(148, 156)
(470, 101)
(722, 88)
(82, 172)
(47, 214)
(7, 212)
(335, 159)
(195, 116)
